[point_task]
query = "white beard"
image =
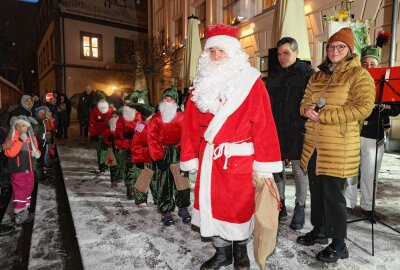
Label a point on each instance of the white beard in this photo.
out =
(113, 123)
(216, 81)
(168, 111)
(128, 113)
(103, 106)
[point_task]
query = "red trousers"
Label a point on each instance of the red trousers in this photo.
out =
(22, 186)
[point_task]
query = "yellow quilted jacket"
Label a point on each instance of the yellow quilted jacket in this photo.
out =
(349, 94)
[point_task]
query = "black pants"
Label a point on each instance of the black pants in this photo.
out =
(328, 205)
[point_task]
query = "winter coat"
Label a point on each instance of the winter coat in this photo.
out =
(140, 147)
(349, 94)
(124, 126)
(19, 155)
(98, 121)
(370, 125)
(86, 104)
(286, 88)
(160, 135)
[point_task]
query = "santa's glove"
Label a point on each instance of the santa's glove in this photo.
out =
(36, 154)
(23, 137)
(140, 165)
(128, 134)
(162, 165)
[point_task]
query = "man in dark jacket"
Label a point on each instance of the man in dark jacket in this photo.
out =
(87, 101)
(286, 85)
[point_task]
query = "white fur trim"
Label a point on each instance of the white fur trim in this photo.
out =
(267, 167)
(22, 121)
(226, 230)
(250, 75)
(222, 41)
(190, 165)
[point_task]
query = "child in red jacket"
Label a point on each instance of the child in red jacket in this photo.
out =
(21, 163)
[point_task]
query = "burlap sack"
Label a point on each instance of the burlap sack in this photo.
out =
(266, 218)
(181, 182)
(110, 159)
(143, 181)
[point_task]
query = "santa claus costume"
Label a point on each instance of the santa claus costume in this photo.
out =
(164, 139)
(228, 133)
(97, 125)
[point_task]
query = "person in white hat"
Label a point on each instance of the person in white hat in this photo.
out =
(228, 134)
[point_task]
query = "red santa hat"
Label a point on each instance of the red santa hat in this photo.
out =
(222, 36)
(49, 96)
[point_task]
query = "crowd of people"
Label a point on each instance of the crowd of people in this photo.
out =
(231, 128)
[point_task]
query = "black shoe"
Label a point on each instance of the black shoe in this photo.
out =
(129, 193)
(310, 239)
(298, 218)
(222, 257)
(185, 215)
(283, 212)
(240, 258)
(167, 219)
(5, 229)
(330, 254)
(349, 210)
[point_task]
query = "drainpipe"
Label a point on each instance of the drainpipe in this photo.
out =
(395, 13)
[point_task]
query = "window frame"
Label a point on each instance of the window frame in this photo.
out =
(178, 35)
(99, 47)
(202, 25)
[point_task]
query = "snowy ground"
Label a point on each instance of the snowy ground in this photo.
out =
(115, 234)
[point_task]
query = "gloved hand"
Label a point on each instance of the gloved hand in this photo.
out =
(95, 138)
(23, 137)
(162, 165)
(35, 154)
(140, 165)
(128, 134)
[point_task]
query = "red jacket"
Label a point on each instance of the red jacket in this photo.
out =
(140, 147)
(98, 121)
(160, 135)
(125, 126)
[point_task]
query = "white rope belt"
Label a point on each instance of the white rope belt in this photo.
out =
(233, 149)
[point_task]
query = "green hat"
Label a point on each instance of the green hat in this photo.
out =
(139, 96)
(172, 93)
(371, 51)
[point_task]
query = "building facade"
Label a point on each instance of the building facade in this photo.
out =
(89, 42)
(255, 19)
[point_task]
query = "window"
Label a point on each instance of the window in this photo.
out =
(91, 46)
(268, 3)
(201, 15)
(47, 53)
(178, 33)
(124, 52)
(52, 51)
(231, 9)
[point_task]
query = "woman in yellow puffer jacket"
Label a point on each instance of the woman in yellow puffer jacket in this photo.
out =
(345, 94)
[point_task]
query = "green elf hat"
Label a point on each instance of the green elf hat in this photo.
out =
(139, 96)
(371, 51)
(172, 93)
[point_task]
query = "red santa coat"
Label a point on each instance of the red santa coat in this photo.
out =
(226, 149)
(98, 121)
(126, 126)
(140, 147)
(161, 135)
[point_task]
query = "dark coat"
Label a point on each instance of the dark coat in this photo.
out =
(370, 125)
(86, 104)
(286, 88)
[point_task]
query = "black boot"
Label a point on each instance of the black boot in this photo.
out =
(129, 193)
(240, 259)
(222, 257)
(283, 213)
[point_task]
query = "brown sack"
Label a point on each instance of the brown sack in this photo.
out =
(181, 182)
(266, 218)
(110, 159)
(143, 181)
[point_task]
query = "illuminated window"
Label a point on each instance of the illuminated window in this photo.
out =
(91, 46)
(178, 33)
(124, 52)
(236, 10)
(201, 15)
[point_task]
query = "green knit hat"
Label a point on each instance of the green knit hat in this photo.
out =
(139, 96)
(371, 51)
(172, 93)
